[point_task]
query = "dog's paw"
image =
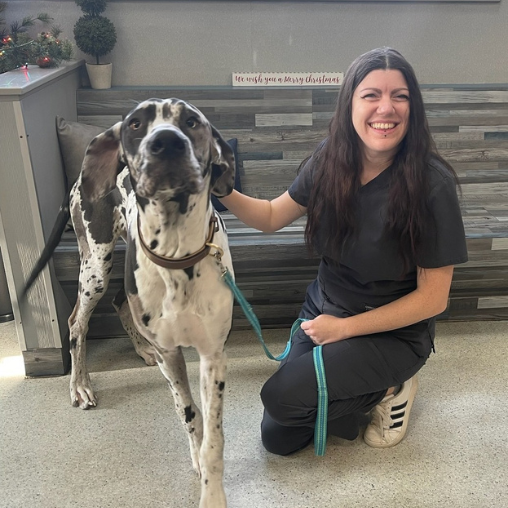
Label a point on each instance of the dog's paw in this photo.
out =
(148, 356)
(212, 495)
(144, 349)
(83, 397)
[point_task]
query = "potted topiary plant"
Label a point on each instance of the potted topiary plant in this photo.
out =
(95, 35)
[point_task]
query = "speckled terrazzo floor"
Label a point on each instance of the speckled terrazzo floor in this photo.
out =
(131, 450)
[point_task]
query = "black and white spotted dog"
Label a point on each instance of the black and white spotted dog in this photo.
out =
(149, 179)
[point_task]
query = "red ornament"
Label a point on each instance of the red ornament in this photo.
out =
(44, 61)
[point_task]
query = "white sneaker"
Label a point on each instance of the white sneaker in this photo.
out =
(391, 416)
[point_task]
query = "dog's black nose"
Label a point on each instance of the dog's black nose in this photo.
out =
(167, 143)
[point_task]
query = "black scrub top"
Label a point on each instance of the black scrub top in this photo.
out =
(369, 272)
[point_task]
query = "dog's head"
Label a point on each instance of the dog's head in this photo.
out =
(170, 148)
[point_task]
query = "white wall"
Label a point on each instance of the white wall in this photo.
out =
(200, 43)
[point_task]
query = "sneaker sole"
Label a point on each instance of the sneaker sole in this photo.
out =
(397, 440)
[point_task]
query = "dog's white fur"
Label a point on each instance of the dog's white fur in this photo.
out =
(174, 159)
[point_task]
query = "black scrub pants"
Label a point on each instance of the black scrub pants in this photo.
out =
(359, 371)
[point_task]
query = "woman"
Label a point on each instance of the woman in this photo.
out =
(384, 215)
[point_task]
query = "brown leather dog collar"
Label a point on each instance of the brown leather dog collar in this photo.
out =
(186, 261)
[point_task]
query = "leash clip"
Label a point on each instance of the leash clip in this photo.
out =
(218, 251)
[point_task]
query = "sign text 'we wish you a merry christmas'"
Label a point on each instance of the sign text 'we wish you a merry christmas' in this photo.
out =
(287, 78)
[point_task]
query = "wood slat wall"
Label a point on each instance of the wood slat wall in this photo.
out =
(277, 128)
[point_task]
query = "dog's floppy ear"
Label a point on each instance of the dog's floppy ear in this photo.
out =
(223, 166)
(101, 164)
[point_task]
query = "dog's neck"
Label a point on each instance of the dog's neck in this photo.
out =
(172, 230)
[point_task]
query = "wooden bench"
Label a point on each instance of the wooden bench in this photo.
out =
(276, 129)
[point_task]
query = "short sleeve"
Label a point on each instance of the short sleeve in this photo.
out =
(445, 242)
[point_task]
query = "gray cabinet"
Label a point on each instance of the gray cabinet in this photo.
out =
(32, 187)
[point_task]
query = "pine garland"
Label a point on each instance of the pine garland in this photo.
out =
(18, 49)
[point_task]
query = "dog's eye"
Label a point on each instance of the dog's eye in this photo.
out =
(135, 124)
(192, 122)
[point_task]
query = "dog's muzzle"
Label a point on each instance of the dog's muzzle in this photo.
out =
(168, 144)
(168, 164)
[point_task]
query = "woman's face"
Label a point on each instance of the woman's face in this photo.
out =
(380, 113)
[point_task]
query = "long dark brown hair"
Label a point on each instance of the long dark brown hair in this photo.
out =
(339, 163)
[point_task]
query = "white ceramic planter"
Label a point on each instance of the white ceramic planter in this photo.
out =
(100, 75)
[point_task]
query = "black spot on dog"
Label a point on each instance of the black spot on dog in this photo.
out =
(119, 298)
(132, 182)
(189, 414)
(190, 272)
(127, 182)
(153, 244)
(99, 289)
(131, 266)
(108, 257)
(158, 232)
(183, 202)
(166, 111)
(73, 343)
(95, 213)
(221, 385)
(143, 202)
(145, 319)
(87, 293)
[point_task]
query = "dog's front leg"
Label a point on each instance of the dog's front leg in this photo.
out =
(172, 366)
(213, 379)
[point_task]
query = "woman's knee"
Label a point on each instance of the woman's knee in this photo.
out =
(281, 440)
(289, 395)
(275, 402)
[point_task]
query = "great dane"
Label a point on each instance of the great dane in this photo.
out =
(149, 179)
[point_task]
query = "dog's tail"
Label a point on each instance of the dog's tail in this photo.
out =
(51, 245)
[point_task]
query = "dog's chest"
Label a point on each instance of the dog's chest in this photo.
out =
(182, 307)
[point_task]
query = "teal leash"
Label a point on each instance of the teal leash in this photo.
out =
(322, 409)
(321, 428)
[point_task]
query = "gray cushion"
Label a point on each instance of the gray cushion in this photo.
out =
(74, 138)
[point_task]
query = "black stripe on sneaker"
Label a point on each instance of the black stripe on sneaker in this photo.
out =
(396, 425)
(400, 407)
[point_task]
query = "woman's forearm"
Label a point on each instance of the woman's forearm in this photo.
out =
(256, 213)
(267, 216)
(426, 301)
(406, 311)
